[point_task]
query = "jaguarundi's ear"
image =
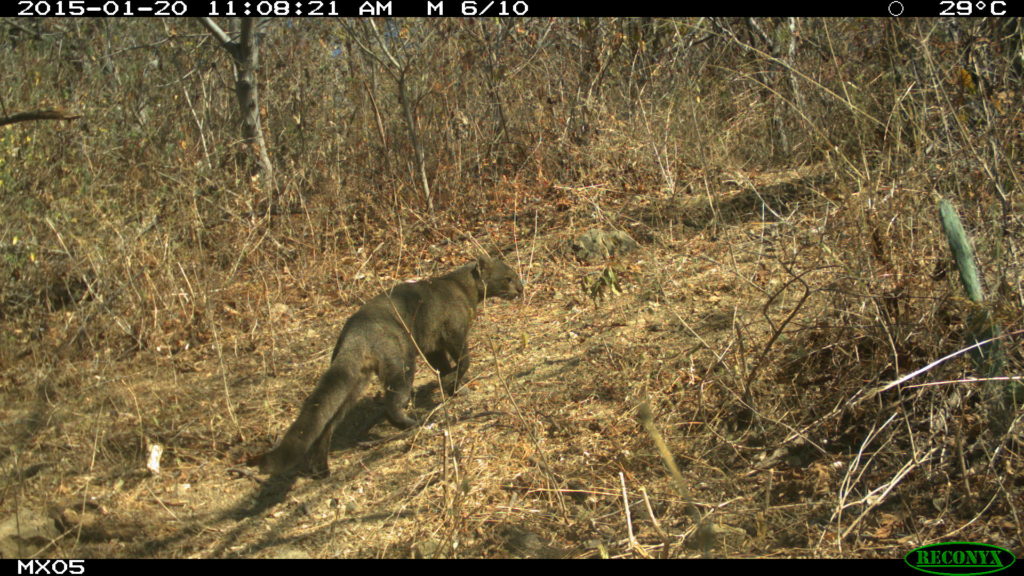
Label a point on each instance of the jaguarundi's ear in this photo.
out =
(483, 264)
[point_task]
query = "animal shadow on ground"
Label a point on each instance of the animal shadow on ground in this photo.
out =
(352, 432)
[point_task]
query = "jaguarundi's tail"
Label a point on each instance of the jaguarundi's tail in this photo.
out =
(309, 438)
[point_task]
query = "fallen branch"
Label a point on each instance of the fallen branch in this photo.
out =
(44, 114)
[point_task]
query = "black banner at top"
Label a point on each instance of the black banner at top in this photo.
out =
(505, 8)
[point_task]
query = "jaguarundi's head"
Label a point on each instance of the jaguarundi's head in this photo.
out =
(498, 278)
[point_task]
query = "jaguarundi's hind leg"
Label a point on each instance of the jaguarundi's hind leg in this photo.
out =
(340, 380)
(315, 464)
(439, 361)
(397, 378)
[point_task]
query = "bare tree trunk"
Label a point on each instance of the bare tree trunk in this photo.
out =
(245, 56)
(398, 68)
(493, 77)
(417, 147)
(780, 42)
(246, 62)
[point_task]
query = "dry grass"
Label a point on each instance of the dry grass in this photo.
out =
(543, 455)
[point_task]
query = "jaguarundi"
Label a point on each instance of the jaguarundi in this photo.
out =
(384, 337)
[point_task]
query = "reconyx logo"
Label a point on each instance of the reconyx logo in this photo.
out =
(51, 567)
(959, 558)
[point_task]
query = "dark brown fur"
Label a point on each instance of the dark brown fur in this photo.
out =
(437, 313)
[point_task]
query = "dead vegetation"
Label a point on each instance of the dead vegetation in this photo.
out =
(780, 176)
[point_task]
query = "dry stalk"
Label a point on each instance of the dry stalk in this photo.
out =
(705, 533)
(867, 395)
(629, 517)
(665, 538)
(879, 494)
